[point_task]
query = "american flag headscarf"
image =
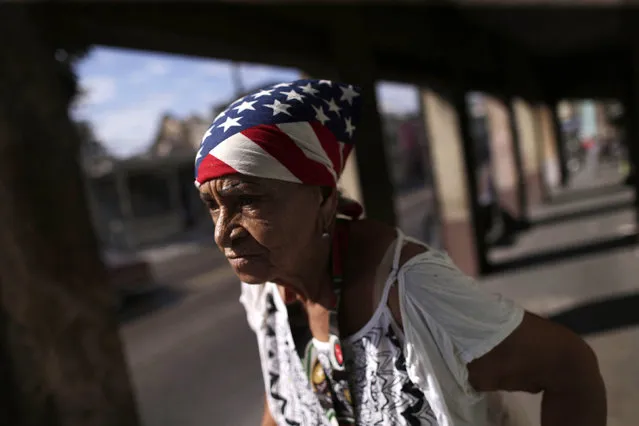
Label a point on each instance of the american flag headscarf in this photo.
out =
(301, 132)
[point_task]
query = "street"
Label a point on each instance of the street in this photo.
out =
(195, 362)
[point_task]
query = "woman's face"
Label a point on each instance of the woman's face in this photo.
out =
(267, 229)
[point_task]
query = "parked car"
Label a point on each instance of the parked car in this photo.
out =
(128, 274)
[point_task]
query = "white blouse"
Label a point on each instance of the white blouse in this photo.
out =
(417, 376)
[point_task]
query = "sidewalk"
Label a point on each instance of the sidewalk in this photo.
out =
(596, 295)
(587, 211)
(605, 289)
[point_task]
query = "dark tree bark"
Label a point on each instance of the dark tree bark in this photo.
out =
(61, 359)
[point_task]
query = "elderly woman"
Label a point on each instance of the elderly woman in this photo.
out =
(355, 322)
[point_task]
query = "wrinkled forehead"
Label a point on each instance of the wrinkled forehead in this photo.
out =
(239, 183)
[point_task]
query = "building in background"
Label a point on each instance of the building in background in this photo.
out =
(150, 198)
(178, 136)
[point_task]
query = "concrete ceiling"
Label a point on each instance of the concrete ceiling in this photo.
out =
(563, 50)
(553, 31)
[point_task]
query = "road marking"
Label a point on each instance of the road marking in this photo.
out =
(162, 254)
(627, 229)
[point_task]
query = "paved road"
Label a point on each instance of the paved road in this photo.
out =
(192, 357)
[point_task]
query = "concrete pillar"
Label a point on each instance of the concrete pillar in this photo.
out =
(550, 157)
(560, 145)
(539, 150)
(370, 181)
(525, 119)
(451, 179)
(631, 112)
(61, 358)
(522, 193)
(502, 153)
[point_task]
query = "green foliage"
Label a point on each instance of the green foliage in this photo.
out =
(66, 59)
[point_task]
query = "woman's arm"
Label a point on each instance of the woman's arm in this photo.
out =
(267, 418)
(540, 356)
(535, 356)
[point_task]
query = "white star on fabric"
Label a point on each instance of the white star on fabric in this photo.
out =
(329, 82)
(199, 153)
(332, 106)
(207, 134)
(320, 115)
(277, 86)
(230, 122)
(237, 100)
(278, 107)
(348, 94)
(349, 127)
(308, 89)
(244, 106)
(220, 115)
(293, 95)
(262, 93)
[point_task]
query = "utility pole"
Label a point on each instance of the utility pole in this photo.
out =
(236, 78)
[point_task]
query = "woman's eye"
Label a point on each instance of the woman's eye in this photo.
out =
(247, 200)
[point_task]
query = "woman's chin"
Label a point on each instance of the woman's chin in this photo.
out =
(251, 272)
(251, 278)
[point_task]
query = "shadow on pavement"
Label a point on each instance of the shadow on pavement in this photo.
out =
(562, 253)
(580, 214)
(136, 306)
(601, 315)
(573, 195)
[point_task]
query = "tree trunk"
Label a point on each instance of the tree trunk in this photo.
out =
(61, 359)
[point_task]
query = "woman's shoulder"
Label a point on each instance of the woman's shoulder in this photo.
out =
(370, 246)
(370, 239)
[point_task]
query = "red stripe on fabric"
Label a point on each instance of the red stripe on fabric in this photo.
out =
(284, 149)
(329, 144)
(212, 167)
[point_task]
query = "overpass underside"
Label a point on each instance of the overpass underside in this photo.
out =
(528, 56)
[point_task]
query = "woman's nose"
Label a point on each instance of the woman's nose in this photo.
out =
(222, 235)
(227, 229)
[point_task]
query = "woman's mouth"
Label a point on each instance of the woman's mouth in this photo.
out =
(237, 261)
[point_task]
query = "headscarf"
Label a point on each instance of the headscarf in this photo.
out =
(301, 132)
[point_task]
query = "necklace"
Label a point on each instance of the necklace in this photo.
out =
(323, 362)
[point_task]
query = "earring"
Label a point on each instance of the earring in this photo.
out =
(325, 235)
